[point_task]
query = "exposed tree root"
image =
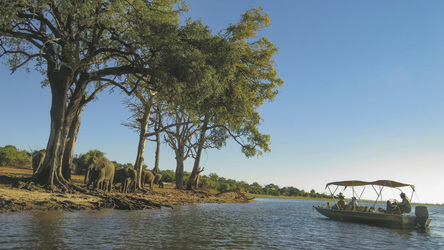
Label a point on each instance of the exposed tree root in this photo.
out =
(74, 197)
(239, 195)
(107, 200)
(201, 192)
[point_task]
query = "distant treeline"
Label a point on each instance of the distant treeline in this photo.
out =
(11, 156)
(213, 181)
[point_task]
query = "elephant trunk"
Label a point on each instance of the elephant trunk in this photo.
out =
(88, 172)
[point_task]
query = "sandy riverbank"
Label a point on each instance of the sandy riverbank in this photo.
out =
(17, 195)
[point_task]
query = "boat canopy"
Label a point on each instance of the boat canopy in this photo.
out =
(385, 183)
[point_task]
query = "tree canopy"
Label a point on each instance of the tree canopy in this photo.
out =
(82, 48)
(217, 82)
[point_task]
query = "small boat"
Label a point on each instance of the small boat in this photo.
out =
(370, 215)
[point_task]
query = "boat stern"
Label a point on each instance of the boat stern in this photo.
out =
(422, 217)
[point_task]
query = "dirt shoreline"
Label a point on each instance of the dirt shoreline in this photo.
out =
(18, 194)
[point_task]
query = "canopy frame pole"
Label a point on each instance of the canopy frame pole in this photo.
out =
(333, 193)
(378, 194)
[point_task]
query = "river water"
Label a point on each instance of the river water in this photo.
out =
(265, 224)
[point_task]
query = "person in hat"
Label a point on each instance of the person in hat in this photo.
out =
(341, 202)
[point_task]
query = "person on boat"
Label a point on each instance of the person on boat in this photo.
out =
(400, 208)
(353, 203)
(405, 206)
(341, 202)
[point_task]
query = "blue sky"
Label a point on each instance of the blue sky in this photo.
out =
(363, 98)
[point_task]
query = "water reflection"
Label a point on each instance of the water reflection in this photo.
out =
(270, 224)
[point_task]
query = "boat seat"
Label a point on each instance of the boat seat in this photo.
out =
(363, 209)
(376, 211)
(348, 208)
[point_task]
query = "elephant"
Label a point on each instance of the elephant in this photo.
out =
(151, 178)
(37, 161)
(147, 177)
(126, 177)
(101, 172)
(158, 180)
(130, 180)
(119, 177)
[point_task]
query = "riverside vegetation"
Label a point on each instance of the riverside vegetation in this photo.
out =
(185, 85)
(20, 193)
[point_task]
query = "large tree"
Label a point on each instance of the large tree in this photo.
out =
(224, 80)
(82, 47)
(247, 77)
(188, 71)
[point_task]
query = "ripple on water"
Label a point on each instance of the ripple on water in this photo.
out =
(267, 223)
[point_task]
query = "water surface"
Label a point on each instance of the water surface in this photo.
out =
(265, 224)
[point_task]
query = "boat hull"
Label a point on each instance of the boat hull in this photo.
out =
(373, 217)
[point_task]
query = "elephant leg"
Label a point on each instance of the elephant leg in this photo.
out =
(89, 183)
(100, 183)
(125, 185)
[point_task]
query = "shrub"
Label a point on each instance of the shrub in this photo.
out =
(168, 176)
(223, 187)
(11, 156)
(207, 183)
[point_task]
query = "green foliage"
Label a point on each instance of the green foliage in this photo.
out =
(207, 183)
(11, 156)
(223, 187)
(246, 78)
(117, 165)
(221, 184)
(168, 176)
(82, 47)
(120, 166)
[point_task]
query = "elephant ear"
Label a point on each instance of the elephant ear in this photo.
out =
(127, 171)
(92, 160)
(100, 165)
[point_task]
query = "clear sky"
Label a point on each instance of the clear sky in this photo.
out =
(363, 98)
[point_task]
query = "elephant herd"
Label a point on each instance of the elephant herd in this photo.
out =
(102, 174)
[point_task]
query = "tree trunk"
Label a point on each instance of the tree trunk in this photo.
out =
(70, 145)
(192, 182)
(50, 173)
(141, 147)
(157, 156)
(179, 171)
(138, 166)
(65, 123)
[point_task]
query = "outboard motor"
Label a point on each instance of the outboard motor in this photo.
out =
(422, 214)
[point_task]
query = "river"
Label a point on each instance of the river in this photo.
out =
(265, 224)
